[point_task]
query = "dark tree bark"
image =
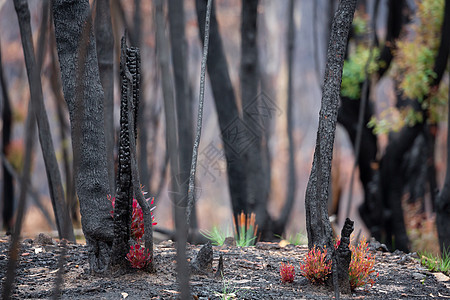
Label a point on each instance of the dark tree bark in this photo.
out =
(124, 193)
(280, 224)
(183, 104)
(227, 111)
(105, 53)
(257, 185)
(84, 96)
(63, 220)
(443, 199)
(8, 186)
(344, 257)
(396, 19)
(162, 48)
(64, 127)
(317, 193)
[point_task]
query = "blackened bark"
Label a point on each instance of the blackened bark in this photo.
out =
(227, 110)
(8, 187)
(124, 193)
(84, 96)
(317, 193)
(61, 113)
(344, 256)
(30, 131)
(280, 224)
(63, 220)
(105, 49)
(443, 200)
(257, 187)
(162, 48)
(182, 101)
(134, 67)
(396, 19)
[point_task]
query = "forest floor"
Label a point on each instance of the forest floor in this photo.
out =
(249, 273)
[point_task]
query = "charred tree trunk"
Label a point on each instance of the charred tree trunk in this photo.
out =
(183, 105)
(227, 111)
(105, 54)
(257, 185)
(84, 96)
(162, 48)
(280, 224)
(443, 200)
(8, 186)
(317, 193)
(63, 220)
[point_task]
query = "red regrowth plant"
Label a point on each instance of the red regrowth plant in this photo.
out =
(315, 266)
(137, 217)
(361, 272)
(138, 257)
(287, 272)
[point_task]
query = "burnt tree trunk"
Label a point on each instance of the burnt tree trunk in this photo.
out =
(280, 224)
(170, 110)
(317, 193)
(183, 104)
(443, 200)
(105, 53)
(63, 220)
(257, 185)
(84, 96)
(227, 110)
(8, 187)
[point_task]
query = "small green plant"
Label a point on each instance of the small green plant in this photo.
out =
(361, 272)
(435, 263)
(246, 229)
(287, 272)
(316, 267)
(216, 235)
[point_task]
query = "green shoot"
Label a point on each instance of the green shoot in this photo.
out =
(435, 263)
(216, 235)
(245, 231)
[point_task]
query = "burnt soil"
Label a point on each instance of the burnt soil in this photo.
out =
(249, 273)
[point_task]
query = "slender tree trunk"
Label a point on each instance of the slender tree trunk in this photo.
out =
(317, 193)
(162, 48)
(280, 224)
(257, 187)
(182, 101)
(227, 111)
(105, 54)
(84, 96)
(63, 220)
(8, 186)
(443, 199)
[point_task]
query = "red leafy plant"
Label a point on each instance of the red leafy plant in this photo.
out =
(137, 216)
(361, 272)
(287, 272)
(138, 256)
(316, 267)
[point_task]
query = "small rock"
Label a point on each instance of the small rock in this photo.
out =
(267, 246)
(203, 261)
(44, 239)
(27, 241)
(418, 276)
(230, 242)
(377, 246)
